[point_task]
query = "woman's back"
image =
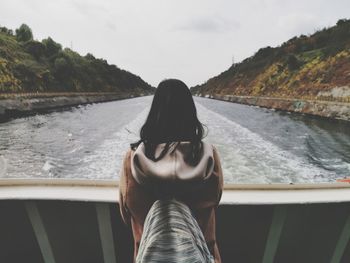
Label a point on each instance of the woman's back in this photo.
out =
(170, 160)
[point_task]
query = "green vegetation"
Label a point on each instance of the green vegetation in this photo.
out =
(31, 66)
(303, 67)
(24, 33)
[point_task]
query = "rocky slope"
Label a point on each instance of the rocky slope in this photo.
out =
(315, 67)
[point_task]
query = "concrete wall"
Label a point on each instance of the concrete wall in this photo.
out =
(22, 106)
(334, 110)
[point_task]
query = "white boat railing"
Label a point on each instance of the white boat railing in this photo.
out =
(107, 191)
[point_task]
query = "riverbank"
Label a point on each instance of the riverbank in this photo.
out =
(14, 105)
(328, 109)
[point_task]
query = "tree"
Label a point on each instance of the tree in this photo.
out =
(89, 56)
(35, 48)
(52, 48)
(63, 69)
(264, 52)
(24, 33)
(6, 31)
(292, 62)
(342, 22)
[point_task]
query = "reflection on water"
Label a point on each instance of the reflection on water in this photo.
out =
(256, 145)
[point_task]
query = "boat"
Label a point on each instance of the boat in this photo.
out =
(78, 221)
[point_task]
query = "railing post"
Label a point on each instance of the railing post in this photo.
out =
(106, 234)
(40, 231)
(279, 216)
(342, 242)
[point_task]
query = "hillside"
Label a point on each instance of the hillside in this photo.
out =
(309, 67)
(27, 65)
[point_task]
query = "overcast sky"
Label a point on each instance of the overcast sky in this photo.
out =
(156, 39)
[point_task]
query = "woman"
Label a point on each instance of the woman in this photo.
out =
(170, 161)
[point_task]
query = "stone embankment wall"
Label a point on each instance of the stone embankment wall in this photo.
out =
(335, 110)
(22, 106)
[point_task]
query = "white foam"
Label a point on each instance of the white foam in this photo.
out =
(47, 166)
(106, 160)
(3, 166)
(248, 158)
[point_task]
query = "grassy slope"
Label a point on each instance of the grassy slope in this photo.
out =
(29, 67)
(299, 68)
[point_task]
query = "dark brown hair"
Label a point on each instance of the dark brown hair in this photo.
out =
(171, 119)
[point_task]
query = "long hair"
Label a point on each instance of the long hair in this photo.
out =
(171, 119)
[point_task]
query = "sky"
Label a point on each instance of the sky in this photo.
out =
(192, 40)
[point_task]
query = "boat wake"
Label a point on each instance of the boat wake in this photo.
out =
(248, 158)
(105, 162)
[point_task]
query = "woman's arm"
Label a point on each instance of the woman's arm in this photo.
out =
(123, 189)
(219, 173)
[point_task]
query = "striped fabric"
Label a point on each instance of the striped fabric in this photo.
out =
(172, 235)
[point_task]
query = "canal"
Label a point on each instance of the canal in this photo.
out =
(256, 145)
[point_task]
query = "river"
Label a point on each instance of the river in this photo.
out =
(256, 145)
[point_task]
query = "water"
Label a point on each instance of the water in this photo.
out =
(256, 145)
